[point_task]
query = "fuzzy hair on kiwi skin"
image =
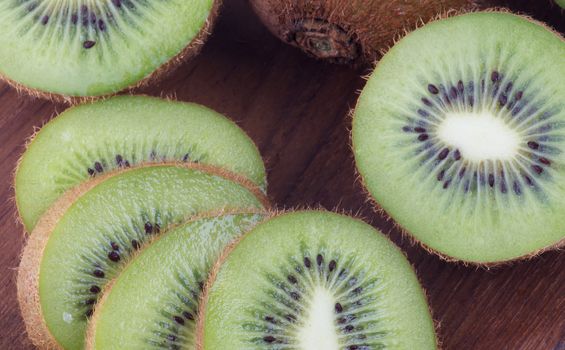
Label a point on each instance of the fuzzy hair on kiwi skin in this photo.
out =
(28, 271)
(92, 322)
(383, 213)
(190, 51)
(354, 36)
(213, 274)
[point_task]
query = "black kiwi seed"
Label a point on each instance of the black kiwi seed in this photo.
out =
(45, 20)
(307, 262)
(89, 312)
(98, 273)
(119, 160)
(98, 166)
(533, 145)
(338, 308)
(332, 265)
(135, 244)
(148, 228)
(114, 246)
(269, 339)
(179, 320)
(91, 171)
(319, 259)
(188, 315)
(95, 289)
(90, 301)
(88, 44)
(292, 279)
(114, 256)
(433, 89)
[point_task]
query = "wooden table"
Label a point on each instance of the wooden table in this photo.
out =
(296, 109)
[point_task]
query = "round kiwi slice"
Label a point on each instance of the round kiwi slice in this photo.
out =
(160, 289)
(74, 48)
(347, 31)
(92, 139)
(314, 280)
(459, 136)
(89, 233)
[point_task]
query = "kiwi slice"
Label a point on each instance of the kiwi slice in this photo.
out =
(158, 292)
(92, 139)
(348, 31)
(89, 233)
(74, 48)
(459, 136)
(314, 280)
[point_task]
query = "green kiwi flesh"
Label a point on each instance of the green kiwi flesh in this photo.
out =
(91, 241)
(92, 139)
(459, 136)
(561, 3)
(314, 280)
(93, 48)
(154, 302)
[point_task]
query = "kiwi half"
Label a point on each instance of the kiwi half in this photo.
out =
(153, 303)
(348, 31)
(92, 139)
(459, 136)
(314, 280)
(70, 48)
(86, 237)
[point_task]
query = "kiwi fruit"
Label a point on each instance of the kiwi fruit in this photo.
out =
(159, 291)
(87, 236)
(74, 49)
(314, 280)
(459, 136)
(348, 31)
(89, 140)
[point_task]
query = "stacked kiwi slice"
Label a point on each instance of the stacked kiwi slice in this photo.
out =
(70, 48)
(459, 136)
(102, 180)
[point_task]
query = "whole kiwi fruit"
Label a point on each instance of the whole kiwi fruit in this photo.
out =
(459, 135)
(348, 31)
(73, 50)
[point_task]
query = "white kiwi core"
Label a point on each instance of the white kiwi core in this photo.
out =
(480, 136)
(319, 329)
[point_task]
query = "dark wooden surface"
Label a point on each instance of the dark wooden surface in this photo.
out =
(296, 109)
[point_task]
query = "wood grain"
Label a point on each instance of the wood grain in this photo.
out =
(296, 109)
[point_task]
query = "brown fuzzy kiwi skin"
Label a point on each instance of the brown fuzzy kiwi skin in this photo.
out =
(190, 51)
(28, 271)
(403, 231)
(93, 321)
(212, 276)
(349, 31)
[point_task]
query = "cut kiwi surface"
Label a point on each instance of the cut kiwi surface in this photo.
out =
(92, 139)
(314, 280)
(84, 240)
(459, 136)
(96, 47)
(153, 303)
